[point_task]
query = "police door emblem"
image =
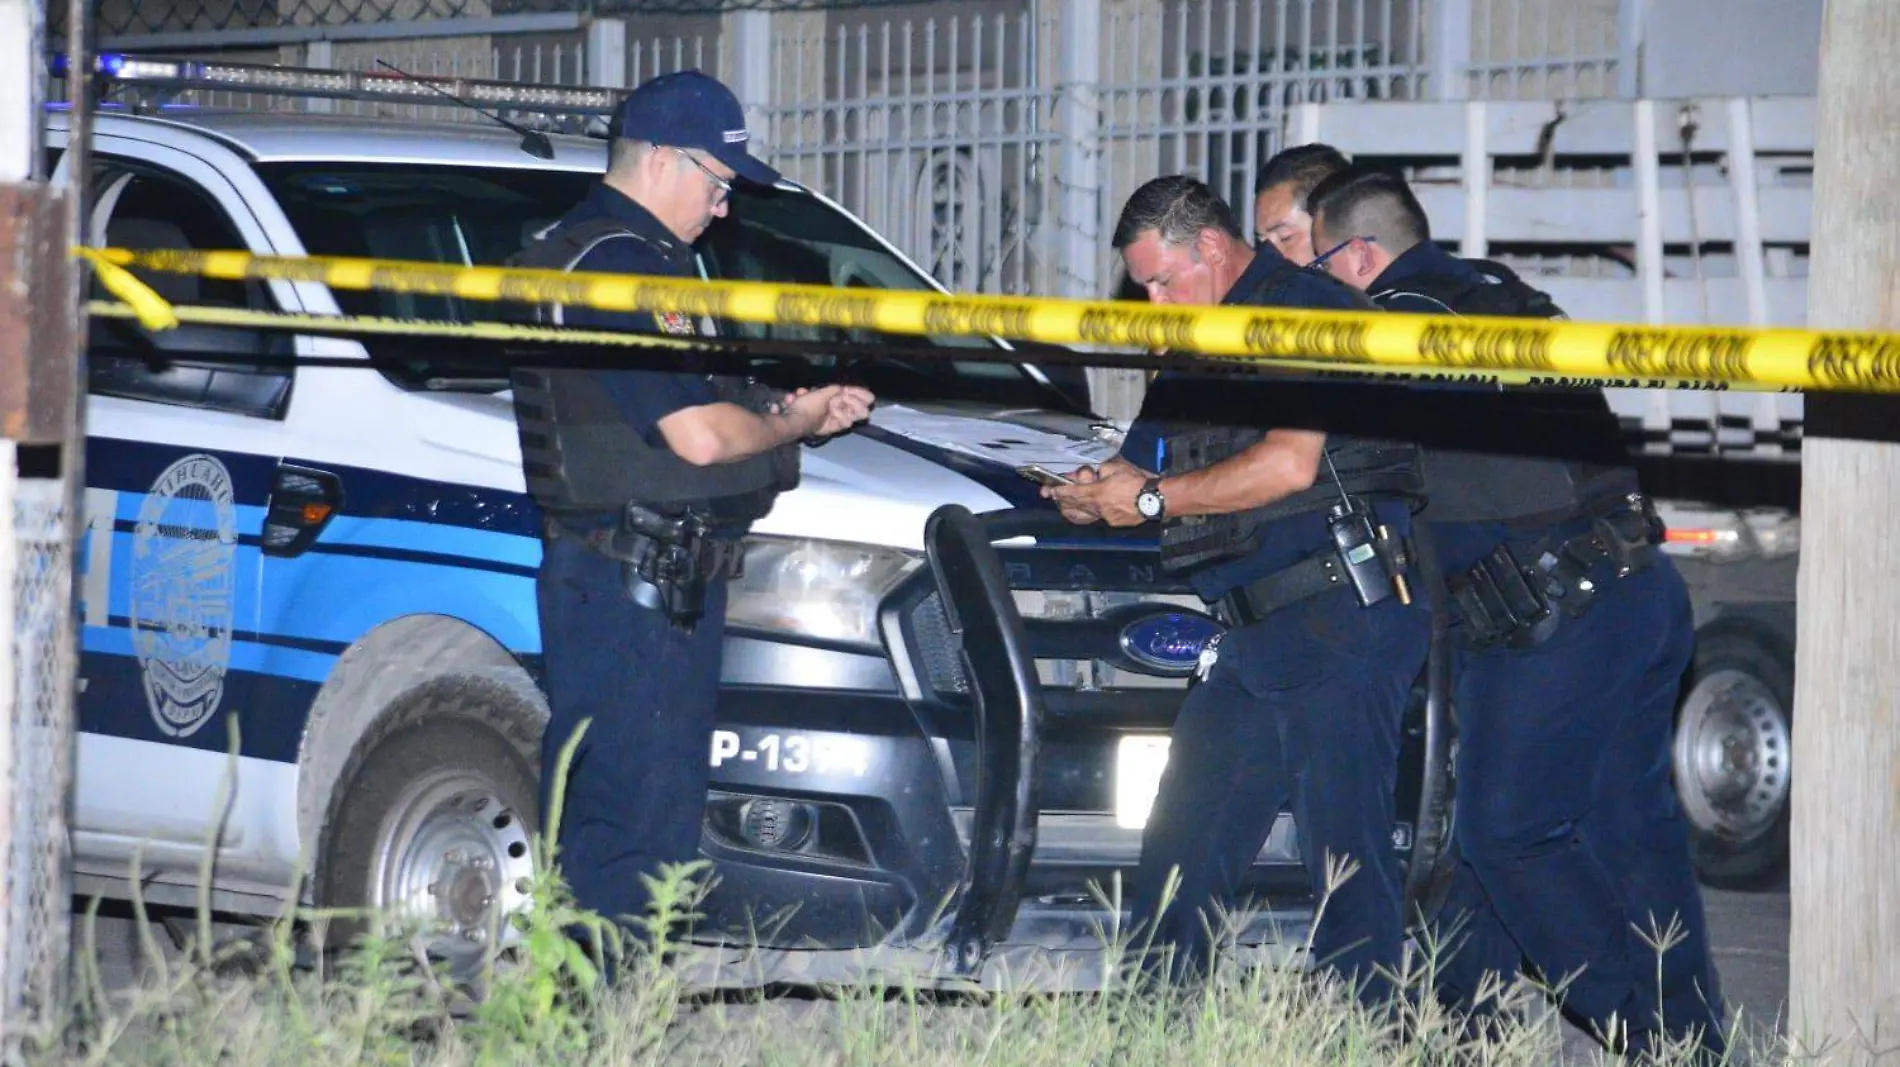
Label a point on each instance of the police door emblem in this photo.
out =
(676, 322)
(184, 591)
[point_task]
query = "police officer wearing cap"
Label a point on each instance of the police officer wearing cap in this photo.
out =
(1575, 630)
(647, 479)
(1293, 525)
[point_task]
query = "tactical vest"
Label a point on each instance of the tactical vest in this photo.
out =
(1496, 486)
(1365, 466)
(578, 452)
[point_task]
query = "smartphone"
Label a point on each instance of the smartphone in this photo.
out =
(1042, 475)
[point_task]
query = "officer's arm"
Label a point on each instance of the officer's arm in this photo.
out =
(705, 434)
(1280, 464)
(726, 433)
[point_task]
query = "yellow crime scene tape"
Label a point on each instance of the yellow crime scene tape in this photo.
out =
(372, 326)
(513, 333)
(1539, 350)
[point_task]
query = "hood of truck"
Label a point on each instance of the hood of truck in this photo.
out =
(875, 485)
(879, 483)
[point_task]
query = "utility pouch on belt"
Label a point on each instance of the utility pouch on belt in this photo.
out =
(1510, 601)
(1365, 556)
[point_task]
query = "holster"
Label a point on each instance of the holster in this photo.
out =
(1518, 598)
(666, 561)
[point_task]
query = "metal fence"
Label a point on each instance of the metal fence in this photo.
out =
(1202, 86)
(128, 18)
(936, 128)
(37, 757)
(1544, 49)
(985, 138)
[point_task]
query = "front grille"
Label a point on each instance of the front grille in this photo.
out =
(938, 662)
(1098, 671)
(936, 647)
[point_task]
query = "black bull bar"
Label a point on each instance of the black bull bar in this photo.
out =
(1006, 693)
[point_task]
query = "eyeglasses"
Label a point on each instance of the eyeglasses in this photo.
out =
(721, 184)
(1319, 261)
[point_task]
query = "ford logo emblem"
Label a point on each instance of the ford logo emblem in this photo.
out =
(1168, 643)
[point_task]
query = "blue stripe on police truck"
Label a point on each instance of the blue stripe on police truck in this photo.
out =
(460, 508)
(115, 704)
(187, 622)
(492, 547)
(341, 596)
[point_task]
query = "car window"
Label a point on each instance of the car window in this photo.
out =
(143, 207)
(468, 216)
(473, 215)
(774, 235)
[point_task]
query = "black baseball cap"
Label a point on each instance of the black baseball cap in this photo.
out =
(691, 109)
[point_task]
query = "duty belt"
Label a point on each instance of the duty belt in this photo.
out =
(707, 556)
(1517, 599)
(1262, 597)
(666, 561)
(1323, 572)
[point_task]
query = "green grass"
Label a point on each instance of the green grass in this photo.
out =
(250, 1004)
(545, 1003)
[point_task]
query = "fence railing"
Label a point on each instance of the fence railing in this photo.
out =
(1691, 211)
(1544, 50)
(35, 748)
(992, 140)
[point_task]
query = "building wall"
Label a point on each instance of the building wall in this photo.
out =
(1730, 48)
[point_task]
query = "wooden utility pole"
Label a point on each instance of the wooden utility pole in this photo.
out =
(1844, 944)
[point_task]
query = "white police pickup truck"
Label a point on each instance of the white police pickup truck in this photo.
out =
(330, 569)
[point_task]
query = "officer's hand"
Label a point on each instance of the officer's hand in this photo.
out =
(1073, 506)
(1077, 515)
(848, 406)
(1111, 497)
(810, 409)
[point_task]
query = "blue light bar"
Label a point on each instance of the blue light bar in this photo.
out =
(179, 75)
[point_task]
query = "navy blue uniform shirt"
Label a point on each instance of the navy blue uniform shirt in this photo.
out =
(1178, 401)
(643, 396)
(1422, 260)
(1555, 426)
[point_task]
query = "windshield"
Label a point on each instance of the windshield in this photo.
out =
(483, 215)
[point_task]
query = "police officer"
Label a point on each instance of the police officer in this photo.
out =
(1280, 190)
(1574, 629)
(647, 478)
(1294, 529)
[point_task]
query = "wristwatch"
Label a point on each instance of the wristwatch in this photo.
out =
(1149, 502)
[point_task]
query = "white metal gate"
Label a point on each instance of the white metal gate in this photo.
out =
(935, 128)
(995, 140)
(1201, 87)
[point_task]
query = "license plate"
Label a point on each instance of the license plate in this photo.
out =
(1139, 761)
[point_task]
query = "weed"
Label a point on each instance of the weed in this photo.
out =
(569, 989)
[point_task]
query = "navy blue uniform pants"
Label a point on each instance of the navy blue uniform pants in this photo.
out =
(1574, 847)
(636, 791)
(1303, 709)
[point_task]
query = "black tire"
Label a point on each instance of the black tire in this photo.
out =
(433, 817)
(1732, 755)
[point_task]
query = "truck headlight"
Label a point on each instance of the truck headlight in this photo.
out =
(823, 590)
